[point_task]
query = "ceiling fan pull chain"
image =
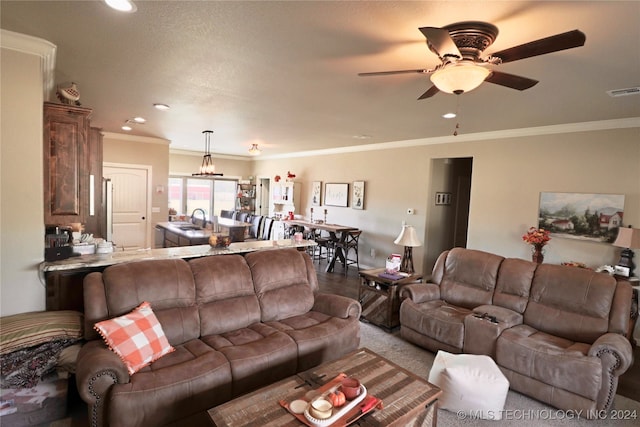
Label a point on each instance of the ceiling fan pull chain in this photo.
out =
(455, 131)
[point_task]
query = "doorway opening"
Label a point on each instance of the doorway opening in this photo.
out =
(448, 210)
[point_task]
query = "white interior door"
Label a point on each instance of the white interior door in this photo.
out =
(130, 205)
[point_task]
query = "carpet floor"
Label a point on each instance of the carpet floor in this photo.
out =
(520, 410)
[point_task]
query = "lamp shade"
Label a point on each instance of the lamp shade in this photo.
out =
(459, 78)
(408, 237)
(628, 238)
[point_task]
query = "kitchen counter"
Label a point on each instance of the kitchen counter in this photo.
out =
(118, 257)
(187, 234)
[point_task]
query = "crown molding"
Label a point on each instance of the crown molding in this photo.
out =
(214, 155)
(34, 46)
(136, 138)
(632, 122)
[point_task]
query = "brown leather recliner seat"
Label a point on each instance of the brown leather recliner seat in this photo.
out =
(556, 332)
(237, 323)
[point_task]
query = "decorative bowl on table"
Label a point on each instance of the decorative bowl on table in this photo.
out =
(218, 240)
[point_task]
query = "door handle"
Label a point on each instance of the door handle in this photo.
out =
(143, 218)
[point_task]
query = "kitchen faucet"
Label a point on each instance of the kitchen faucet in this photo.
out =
(204, 217)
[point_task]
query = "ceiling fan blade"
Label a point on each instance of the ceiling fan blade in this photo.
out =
(440, 42)
(550, 44)
(510, 80)
(389, 73)
(428, 94)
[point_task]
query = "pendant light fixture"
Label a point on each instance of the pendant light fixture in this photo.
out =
(207, 168)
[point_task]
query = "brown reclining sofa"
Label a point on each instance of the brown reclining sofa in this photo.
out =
(237, 323)
(556, 332)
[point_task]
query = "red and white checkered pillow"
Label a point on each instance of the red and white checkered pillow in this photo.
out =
(136, 337)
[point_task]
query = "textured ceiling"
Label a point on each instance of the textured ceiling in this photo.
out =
(284, 74)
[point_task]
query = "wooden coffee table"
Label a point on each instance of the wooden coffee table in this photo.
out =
(408, 400)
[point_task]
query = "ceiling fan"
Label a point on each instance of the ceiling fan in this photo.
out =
(460, 46)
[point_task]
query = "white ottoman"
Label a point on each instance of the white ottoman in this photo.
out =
(470, 383)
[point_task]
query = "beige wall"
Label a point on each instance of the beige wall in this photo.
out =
(21, 174)
(508, 176)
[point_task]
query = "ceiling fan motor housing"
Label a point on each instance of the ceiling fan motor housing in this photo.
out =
(472, 37)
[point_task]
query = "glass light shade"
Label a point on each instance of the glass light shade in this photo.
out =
(459, 78)
(628, 238)
(122, 5)
(254, 150)
(408, 237)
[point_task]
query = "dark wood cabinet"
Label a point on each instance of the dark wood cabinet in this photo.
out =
(72, 167)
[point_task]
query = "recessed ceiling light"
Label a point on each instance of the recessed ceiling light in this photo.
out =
(362, 136)
(449, 115)
(139, 119)
(122, 5)
(127, 128)
(162, 107)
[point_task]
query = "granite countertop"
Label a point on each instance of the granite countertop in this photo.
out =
(118, 257)
(191, 234)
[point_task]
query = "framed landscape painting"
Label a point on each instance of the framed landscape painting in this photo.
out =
(583, 216)
(336, 194)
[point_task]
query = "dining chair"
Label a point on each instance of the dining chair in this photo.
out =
(254, 230)
(266, 228)
(348, 245)
(325, 242)
(226, 214)
(242, 216)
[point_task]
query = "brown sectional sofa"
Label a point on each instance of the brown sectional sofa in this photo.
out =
(556, 332)
(237, 323)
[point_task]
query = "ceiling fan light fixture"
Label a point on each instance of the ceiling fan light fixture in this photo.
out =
(254, 150)
(459, 78)
(126, 6)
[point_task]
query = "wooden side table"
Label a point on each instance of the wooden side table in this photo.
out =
(380, 299)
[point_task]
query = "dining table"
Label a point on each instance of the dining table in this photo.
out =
(337, 233)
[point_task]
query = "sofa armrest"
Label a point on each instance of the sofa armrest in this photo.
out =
(420, 292)
(337, 306)
(616, 345)
(97, 370)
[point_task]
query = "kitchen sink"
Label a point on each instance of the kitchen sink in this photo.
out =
(189, 227)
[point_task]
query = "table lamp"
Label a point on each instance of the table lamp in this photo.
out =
(628, 238)
(409, 239)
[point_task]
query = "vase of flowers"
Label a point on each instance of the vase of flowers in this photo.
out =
(537, 238)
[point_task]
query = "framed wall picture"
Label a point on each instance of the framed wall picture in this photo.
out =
(336, 194)
(582, 216)
(316, 193)
(357, 195)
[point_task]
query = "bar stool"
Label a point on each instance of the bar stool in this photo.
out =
(350, 243)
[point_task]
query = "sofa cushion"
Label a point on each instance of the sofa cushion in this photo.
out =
(283, 283)
(136, 337)
(549, 359)
(514, 284)
(225, 293)
(258, 355)
(437, 320)
(191, 379)
(469, 277)
(320, 337)
(573, 303)
(166, 284)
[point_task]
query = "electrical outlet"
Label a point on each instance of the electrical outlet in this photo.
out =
(410, 211)
(373, 252)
